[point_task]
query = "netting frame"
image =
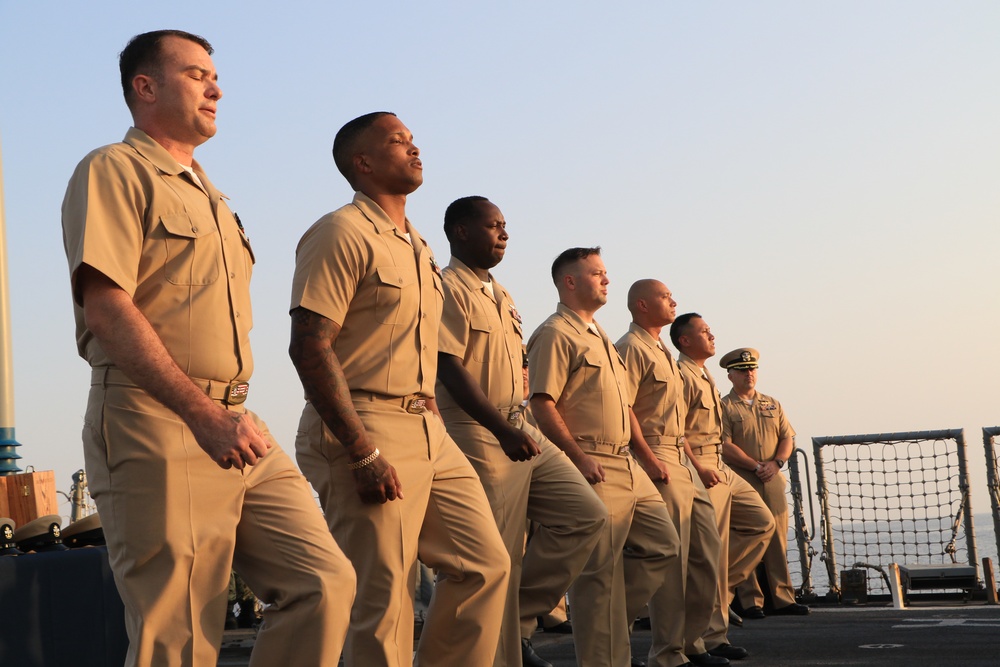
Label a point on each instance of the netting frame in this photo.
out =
(990, 434)
(826, 525)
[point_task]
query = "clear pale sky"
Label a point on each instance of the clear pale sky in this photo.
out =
(821, 180)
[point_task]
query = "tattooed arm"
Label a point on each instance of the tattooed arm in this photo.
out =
(326, 388)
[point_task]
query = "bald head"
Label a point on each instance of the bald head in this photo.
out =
(641, 290)
(651, 304)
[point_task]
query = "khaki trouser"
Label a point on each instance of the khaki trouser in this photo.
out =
(775, 560)
(568, 515)
(443, 515)
(682, 610)
(176, 524)
(745, 526)
(629, 563)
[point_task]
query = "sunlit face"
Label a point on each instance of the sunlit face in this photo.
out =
(188, 93)
(698, 339)
(660, 305)
(485, 236)
(392, 161)
(590, 282)
(744, 380)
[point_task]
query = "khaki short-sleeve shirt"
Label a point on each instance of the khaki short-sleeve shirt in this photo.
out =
(757, 428)
(655, 384)
(134, 214)
(484, 331)
(584, 374)
(703, 422)
(353, 266)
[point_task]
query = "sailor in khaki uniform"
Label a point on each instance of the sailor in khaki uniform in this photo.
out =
(579, 397)
(366, 308)
(745, 523)
(757, 440)
(679, 621)
(188, 482)
(480, 395)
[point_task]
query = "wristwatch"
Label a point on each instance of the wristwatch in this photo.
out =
(781, 464)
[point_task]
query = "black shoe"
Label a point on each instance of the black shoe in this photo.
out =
(754, 612)
(707, 660)
(636, 662)
(735, 619)
(564, 628)
(729, 652)
(528, 656)
(794, 609)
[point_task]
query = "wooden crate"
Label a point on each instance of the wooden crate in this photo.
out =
(31, 495)
(4, 503)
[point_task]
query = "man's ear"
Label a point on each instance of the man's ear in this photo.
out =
(144, 88)
(361, 165)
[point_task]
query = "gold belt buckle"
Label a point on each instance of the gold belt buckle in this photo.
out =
(416, 405)
(514, 416)
(236, 393)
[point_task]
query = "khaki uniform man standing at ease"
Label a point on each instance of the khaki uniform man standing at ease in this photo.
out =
(757, 440)
(366, 307)
(188, 483)
(480, 394)
(682, 610)
(745, 523)
(579, 397)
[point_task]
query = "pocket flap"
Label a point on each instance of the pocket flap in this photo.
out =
(180, 224)
(392, 276)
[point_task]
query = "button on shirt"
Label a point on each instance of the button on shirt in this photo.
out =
(484, 331)
(584, 374)
(654, 382)
(134, 214)
(703, 423)
(355, 267)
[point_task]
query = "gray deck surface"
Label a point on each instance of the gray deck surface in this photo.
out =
(924, 634)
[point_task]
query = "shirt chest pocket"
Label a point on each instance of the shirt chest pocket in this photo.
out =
(660, 377)
(480, 329)
(391, 283)
(192, 251)
(593, 367)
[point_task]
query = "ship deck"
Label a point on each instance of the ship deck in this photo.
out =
(922, 634)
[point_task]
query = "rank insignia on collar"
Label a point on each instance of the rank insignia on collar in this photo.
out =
(515, 315)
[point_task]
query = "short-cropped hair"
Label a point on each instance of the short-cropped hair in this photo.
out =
(461, 210)
(142, 56)
(680, 327)
(571, 256)
(345, 144)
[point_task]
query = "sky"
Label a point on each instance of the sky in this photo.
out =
(821, 180)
